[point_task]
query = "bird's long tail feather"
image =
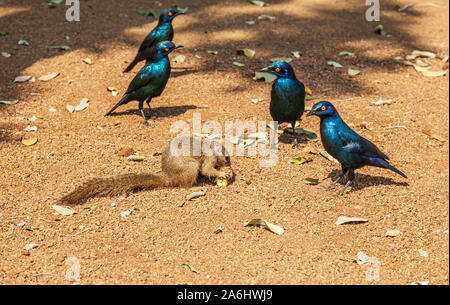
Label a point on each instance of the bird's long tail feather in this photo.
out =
(108, 187)
(131, 65)
(125, 99)
(378, 162)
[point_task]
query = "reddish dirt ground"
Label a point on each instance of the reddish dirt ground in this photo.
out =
(148, 246)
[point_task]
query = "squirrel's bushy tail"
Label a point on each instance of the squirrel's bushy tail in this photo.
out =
(106, 187)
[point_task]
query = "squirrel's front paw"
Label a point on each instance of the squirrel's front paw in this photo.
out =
(225, 173)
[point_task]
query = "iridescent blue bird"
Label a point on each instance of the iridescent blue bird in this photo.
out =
(162, 32)
(151, 80)
(345, 145)
(287, 102)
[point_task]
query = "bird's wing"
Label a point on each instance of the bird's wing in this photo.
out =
(142, 78)
(148, 42)
(356, 144)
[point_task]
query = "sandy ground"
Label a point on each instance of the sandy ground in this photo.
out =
(148, 246)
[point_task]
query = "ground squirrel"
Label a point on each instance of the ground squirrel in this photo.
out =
(178, 170)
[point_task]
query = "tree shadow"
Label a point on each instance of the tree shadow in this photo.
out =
(318, 35)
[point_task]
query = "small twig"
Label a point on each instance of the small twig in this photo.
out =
(35, 275)
(396, 126)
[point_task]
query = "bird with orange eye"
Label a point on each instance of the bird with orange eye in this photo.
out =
(162, 32)
(287, 102)
(150, 80)
(345, 145)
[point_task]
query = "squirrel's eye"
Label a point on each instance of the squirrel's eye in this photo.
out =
(170, 14)
(323, 108)
(277, 70)
(166, 49)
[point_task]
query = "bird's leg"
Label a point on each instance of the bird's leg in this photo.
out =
(351, 177)
(295, 144)
(341, 175)
(150, 108)
(141, 108)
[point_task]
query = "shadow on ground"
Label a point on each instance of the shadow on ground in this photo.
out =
(104, 23)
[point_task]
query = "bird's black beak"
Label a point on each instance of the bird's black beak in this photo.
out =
(177, 46)
(266, 69)
(312, 112)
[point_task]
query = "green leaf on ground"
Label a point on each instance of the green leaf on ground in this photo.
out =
(186, 266)
(379, 29)
(6, 54)
(147, 13)
(311, 181)
(256, 2)
(299, 160)
(308, 98)
(346, 53)
(236, 63)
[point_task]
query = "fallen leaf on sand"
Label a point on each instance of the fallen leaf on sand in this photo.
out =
(256, 2)
(70, 108)
(48, 77)
(62, 48)
(420, 283)
(213, 52)
(29, 142)
(361, 258)
(113, 91)
(23, 78)
(325, 154)
(353, 72)
(135, 157)
(346, 53)
(393, 233)
(63, 211)
(266, 225)
(238, 64)
(299, 160)
(87, 61)
(434, 73)
(186, 266)
(30, 246)
(257, 100)
(296, 54)
(84, 103)
(382, 102)
(434, 136)
(266, 17)
(311, 181)
(349, 220)
(334, 64)
(418, 53)
(246, 52)
(9, 102)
